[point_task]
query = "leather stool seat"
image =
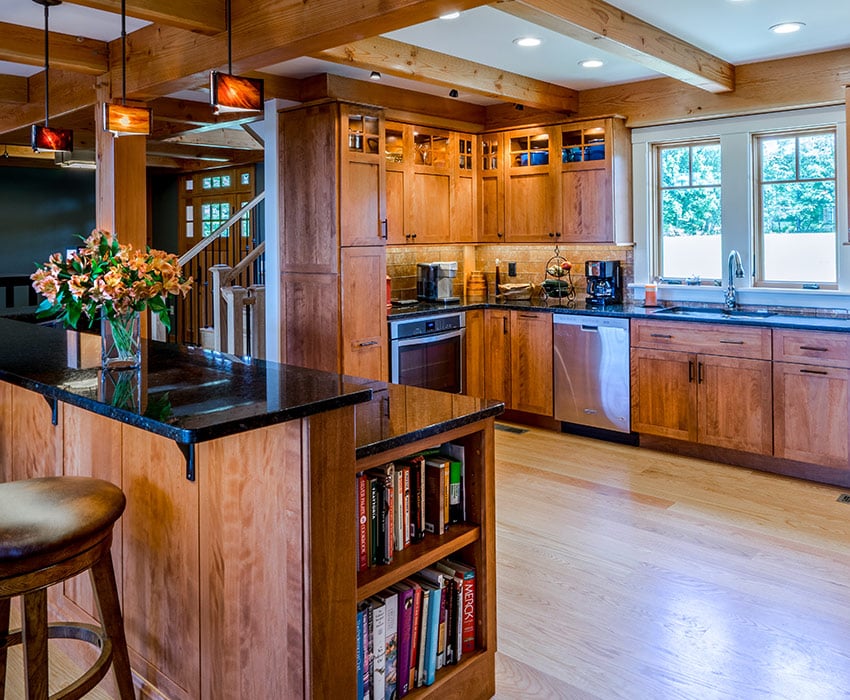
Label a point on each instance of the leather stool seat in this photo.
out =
(52, 529)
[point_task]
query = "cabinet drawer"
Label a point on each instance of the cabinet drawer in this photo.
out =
(706, 338)
(812, 347)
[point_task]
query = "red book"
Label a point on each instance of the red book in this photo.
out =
(362, 524)
(416, 632)
(467, 615)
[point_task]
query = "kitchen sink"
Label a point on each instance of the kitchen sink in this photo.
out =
(695, 312)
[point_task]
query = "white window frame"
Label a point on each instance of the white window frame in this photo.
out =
(738, 194)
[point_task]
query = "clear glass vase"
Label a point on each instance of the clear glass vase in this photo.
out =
(121, 345)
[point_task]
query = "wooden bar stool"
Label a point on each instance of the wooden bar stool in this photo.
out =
(50, 530)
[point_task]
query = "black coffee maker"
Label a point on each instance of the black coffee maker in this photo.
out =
(604, 283)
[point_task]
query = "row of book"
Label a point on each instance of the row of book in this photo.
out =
(399, 502)
(408, 631)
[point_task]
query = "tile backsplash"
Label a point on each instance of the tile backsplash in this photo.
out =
(530, 262)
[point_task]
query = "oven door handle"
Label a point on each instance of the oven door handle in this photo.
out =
(428, 338)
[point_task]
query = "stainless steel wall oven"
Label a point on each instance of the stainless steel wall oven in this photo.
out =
(428, 351)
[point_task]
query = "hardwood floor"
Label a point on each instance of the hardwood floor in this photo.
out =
(628, 573)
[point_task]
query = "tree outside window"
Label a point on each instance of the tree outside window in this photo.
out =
(797, 217)
(689, 210)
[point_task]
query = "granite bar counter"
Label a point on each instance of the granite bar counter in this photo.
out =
(245, 574)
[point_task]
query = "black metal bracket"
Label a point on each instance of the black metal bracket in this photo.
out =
(188, 450)
(54, 409)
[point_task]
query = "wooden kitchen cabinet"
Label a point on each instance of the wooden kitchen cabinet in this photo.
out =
(475, 354)
(531, 362)
(703, 383)
(811, 408)
(332, 239)
(463, 188)
(497, 334)
(532, 199)
(491, 188)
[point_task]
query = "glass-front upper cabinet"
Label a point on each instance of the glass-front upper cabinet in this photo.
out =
(394, 145)
(529, 149)
(465, 148)
(431, 148)
(490, 152)
(582, 145)
(364, 133)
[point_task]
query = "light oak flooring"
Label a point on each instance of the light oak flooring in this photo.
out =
(627, 573)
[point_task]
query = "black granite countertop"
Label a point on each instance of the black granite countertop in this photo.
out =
(188, 395)
(397, 415)
(784, 317)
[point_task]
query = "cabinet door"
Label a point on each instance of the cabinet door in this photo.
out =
(491, 189)
(532, 206)
(811, 412)
(587, 212)
(396, 208)
(429, 205)
(364, 313)
(463, 189)
(361, 193)
(531, 362)
(735, 406)
(664, 393)
(497, 332)
(475, 354)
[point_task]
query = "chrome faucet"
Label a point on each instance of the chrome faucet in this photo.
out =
(736, 269)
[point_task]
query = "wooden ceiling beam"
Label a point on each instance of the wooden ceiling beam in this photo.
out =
(162, 60)
(69, 91)
(67, 52)
(232, 139)
(602, 25)
(202, 153)
(13, 89)
(203, 16)
(399, 104)
(416, 63)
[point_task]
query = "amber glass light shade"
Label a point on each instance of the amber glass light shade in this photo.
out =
(232, 93)
(131, 121)
(45, 138)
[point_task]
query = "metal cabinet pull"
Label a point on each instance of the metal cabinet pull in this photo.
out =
(527, 315)
(699, 372)
(504, 325)
(589, 328)
(690, 371)
(367, 343)
(813, 371)
(813, 348)
(732, 342)
(659, 335)
(385, 228)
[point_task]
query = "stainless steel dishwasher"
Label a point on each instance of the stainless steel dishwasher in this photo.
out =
(592, 371)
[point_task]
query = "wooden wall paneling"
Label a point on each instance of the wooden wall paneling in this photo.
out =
(5, 431)
(92, 446)
(330, 577)
(310, 333)
(309, 190)
(161, 563)
(36, 447)
(251, 562)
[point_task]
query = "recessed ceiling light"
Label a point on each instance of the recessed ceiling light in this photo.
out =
(787, 27)
(591, 63)
(450, 15)
(528, 41)
(374, 75)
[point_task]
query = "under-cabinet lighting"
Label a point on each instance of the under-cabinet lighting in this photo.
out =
(528, 41)
(591, 63)
(787, 27)
(450, 15)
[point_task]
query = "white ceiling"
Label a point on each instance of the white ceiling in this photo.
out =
(734, 30)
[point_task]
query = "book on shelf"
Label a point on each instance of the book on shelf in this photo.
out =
(454, 625)
(468, 611)
(382, 521)
(390, 601)
(378, 636)
(405, 630)
(416, 473)
(401, 507)
(364, 649)
(439, 579)
(362, 523)
(416, 632)
(457, 503)
(433, 630)
(436, 484)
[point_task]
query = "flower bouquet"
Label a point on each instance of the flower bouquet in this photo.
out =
(114, 281)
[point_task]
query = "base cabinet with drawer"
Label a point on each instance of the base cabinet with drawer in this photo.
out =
(811, 409)
(703, 383)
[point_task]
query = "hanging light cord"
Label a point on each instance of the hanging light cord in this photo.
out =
(46, 65)
(124, 52)
(229, 41)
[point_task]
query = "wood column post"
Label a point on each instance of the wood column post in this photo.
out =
(121, 181)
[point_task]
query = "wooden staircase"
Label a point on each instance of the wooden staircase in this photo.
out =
(225, 310)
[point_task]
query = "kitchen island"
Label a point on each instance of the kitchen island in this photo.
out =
(236, 554)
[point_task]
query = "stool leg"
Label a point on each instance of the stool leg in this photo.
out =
(109, 607)
(35, 643)
(5, 604)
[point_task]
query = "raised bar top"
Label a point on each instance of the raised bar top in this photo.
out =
(186, 394)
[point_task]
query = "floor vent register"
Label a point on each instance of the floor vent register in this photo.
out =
(844, 498)
(510, 429)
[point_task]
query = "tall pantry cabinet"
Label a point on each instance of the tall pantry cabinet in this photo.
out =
(333, 232)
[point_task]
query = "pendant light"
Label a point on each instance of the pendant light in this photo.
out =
(233, 93)
(45, 138)
(122, 119)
